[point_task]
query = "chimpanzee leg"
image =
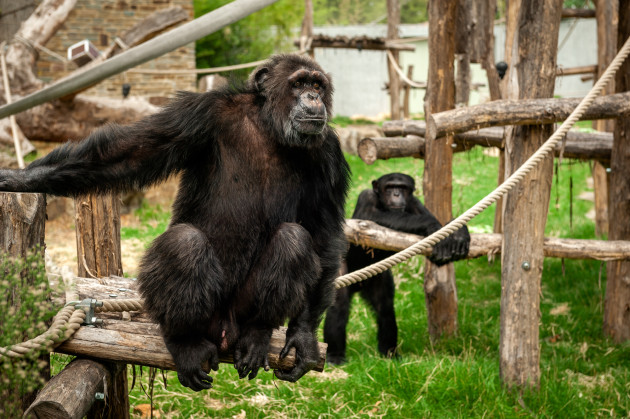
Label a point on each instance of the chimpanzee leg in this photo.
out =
(335, 327)
(276, 289)
(379, 292)
(181, 281)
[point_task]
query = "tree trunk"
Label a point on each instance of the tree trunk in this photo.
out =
(617, 306)
(532, 33)
(393, 20)
(22, 222)
(607, 16)
(439, 282)
(98, 254)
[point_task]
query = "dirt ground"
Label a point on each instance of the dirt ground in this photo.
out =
(61, 237)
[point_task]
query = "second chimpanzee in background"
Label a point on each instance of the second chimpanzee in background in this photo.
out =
(391, 204)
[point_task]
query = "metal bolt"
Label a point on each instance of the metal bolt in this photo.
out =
(526, 266)
(453, 145)
(608, 170)
(99, 396)
(113, 295)
(96, 320)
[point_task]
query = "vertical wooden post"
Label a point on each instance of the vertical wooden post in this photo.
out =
(306, 33)
(463, 46)
(22, 224)
(531, 51)
(439, 282)
(407, 96)
(607, 15)
(617, 306)
(393, 20)
(99, 255)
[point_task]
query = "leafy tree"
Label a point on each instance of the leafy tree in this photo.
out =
(251, 39)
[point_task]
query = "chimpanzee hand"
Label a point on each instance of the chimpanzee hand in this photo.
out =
(10, 180)
(189, 358)
(251, 352)
(452, 248)
(306, 354)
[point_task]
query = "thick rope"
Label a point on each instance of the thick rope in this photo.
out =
(504, 188)
(66, 322)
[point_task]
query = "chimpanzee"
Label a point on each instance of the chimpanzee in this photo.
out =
(256, 232)
(391, 204)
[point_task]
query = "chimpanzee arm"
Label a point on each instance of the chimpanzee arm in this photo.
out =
(120, 157)
(416, 219)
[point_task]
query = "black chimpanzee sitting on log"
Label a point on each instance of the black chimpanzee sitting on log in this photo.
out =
(391, 204)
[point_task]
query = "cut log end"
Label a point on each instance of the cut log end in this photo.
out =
(367, 150)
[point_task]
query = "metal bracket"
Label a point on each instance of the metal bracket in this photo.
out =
(89, 305)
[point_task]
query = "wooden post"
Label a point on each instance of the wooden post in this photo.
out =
(306, 35)
(393, 20)
(531, 50)
(463, 41)
(99, 255)
(71, 393)
(407, 95)
(439, 282)
(22, 223)
(617, 306)
(607, 15)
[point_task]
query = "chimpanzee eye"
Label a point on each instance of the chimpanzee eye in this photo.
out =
(297, 84)
(316, 86)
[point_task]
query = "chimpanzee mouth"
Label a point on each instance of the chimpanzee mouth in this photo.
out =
(397, 209)
(310, 125)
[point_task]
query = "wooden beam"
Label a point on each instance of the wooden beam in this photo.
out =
(137, 340)
(572, 71)
(523, 112)
(578, 13)
(579, 145)
(358, 42)
(71, 393)
(142, 344)
(440, 288)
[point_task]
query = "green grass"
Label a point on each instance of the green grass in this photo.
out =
(583, 375)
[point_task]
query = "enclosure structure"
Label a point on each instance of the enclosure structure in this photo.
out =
(530, 55)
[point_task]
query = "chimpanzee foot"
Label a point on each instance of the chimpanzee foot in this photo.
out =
(251, 352)
(306, 354)
(189, 358)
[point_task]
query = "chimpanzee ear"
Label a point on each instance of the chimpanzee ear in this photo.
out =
(375, 186)
(258, 78)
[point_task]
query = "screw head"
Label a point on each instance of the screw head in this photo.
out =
(99, 396)
(526, 266)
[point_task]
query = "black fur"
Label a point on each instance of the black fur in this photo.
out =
(389, 203)
(256, 233)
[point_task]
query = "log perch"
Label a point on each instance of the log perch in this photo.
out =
(369, 234)
(522, 112)
(139, 341)
(579, 145)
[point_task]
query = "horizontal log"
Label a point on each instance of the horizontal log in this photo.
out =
(137, 340)
(578, 13)
(572, 71)
(369, 234)
(141, 343)
(372, 149)
(579, 145)
(70, 394)
(358, 42)
(522, 112)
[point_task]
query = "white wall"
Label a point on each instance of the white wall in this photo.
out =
(360, 76)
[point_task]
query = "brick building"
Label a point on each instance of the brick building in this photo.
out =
(101, 21)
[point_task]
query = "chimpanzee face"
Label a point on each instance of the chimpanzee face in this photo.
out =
(392, 194)
(308, 115)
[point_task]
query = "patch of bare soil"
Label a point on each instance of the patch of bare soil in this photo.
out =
(61, 242)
